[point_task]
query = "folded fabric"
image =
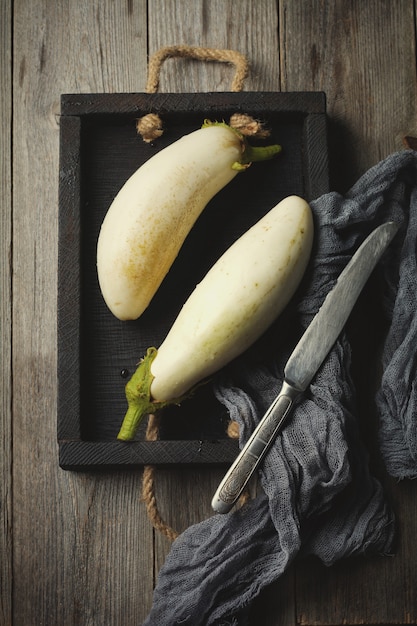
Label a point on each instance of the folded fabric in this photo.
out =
(397, 397)
(319, 496)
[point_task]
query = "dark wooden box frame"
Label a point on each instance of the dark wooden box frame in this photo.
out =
(98, 150)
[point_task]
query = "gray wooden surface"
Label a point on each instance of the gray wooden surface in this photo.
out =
(78, 549)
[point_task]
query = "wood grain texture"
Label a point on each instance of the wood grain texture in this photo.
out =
(249, 27)
(356, 54)
(362, 54)
(391, 596)
(78, 549)
(71, 532)
(5, 313)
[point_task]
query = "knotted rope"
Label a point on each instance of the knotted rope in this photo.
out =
(150, 126)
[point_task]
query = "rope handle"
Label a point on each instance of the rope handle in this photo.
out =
(150, 126)
(149, 486)
(201, 54)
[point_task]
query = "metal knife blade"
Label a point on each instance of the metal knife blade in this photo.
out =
(304, 362)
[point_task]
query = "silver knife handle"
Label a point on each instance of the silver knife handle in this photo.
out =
(254, 450)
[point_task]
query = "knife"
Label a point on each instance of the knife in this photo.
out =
(304, 362)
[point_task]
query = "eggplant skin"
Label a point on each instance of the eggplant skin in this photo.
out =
(237, 300)
(241, 295)
(149, 219)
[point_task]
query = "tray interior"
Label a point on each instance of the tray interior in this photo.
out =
(109, 151)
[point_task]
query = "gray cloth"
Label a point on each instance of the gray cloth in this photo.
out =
(319, 496)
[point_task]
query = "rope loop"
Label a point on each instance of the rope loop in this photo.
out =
(148, 481)
(150, 126)
(201, 54)
(148, 486)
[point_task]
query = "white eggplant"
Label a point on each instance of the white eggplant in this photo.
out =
(156, 208)
(237, 300)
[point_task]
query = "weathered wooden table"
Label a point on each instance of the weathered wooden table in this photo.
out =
(78, 548)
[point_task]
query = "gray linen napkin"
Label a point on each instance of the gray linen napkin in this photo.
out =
(319, 496)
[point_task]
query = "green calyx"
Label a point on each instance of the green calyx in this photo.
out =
(250, 154)
(138, 396)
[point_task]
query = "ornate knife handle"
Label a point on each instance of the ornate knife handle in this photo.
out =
(254, 450)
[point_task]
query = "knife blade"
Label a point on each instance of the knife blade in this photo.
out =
(304, 362)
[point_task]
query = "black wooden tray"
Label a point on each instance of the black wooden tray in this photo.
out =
(99, 150)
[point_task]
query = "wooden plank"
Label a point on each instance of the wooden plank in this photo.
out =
(345, 49)
(69, 281)
(82, 543)
(5, 313)
(370, 590)
(276, 604)
(125, 105)
(83, 546)
(249, 27)
(183, 498)
(362, 55)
